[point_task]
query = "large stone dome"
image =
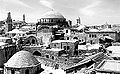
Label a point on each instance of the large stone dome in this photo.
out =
(52, 14)
(22, 59)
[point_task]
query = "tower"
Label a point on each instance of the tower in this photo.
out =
(78, 20)
(9, 22)
(24, 18)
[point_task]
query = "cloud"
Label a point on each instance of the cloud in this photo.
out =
(17, 2)
(47, 3)
(88, 9)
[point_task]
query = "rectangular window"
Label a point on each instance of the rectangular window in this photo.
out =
(66, 31)
(68, 47)
(65, 47)
(67, 38)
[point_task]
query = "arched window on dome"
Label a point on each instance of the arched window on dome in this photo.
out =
(27, 71)
(45, 20)
(12, 72)
(51, 20)
(58, 20)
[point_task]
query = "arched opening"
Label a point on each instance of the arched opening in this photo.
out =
(36, 53)
(12, 72)
(33, 41)
(75, 38)
(27, 71)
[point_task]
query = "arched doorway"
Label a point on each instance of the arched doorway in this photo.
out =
(36, 53)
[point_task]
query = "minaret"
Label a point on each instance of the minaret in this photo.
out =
(24, 18)
(9, 22)
(78, 20)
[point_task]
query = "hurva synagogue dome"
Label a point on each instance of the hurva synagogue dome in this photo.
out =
(53, 18)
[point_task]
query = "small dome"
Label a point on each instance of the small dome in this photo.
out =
(22, 59)
(52, 14)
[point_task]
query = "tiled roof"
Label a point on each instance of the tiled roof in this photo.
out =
(22, 59)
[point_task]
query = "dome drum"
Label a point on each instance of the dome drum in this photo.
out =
(52, 20)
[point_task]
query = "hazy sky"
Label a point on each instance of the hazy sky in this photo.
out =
(90, 11)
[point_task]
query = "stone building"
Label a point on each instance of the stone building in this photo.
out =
(93, 36)
(70, 46)
(75, 33)
(23, 62)
(6, 51)
(49, 23)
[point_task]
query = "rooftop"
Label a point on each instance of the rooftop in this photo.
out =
(114, 49)
(93, 30)
(109, 66)
(53, 49)
(2, 43)
(17, 31)
(59, 41)
(22, 59)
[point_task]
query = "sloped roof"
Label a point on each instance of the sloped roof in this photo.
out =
(22, 59)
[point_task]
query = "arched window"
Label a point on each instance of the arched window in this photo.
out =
(12, 72)
(36, 53)
(33, 41)
(27, 71)
(75, 38)
(45, 20)
(51, 20)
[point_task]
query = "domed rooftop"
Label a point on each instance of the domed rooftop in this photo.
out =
(52, 14)
(22, 59)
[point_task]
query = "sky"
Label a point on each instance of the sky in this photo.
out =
(91, 12)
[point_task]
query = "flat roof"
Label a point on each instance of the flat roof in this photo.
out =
(59, 41)
(114, 49)
(53, 49)
(109, 66)
(2, 43)
(115, 55)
